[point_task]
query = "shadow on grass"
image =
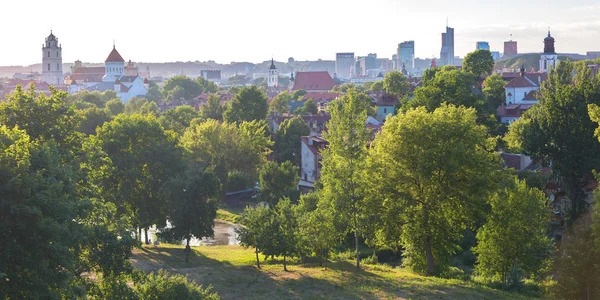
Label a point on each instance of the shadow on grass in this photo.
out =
(335, 280)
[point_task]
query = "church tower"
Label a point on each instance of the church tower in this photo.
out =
(272, 78)
(548, 59)
(114, 66)
(52, 61)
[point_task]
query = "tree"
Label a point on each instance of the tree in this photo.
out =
(395, 83)
(448, 85)
(344, 160)
(134, 105)
(278, 181)
(309, 107)
(141, 166)
(288, 141)
(287, 226)
(212, 109)
(297, 95)
(279, 104)
(315, 228)
(179, 118)
(493, 92)
(93, 117)
(114, 107)
(559, 130)
(430, 176)
(255, 231)
(377, 86)
(248, 105)
(514, 235)
(181, 87)
(164, 286)
(207, 85)
(479, 62)
(149, 108)
(154, 93)
(192, 209)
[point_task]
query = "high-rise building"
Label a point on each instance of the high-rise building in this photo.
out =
(52, 61)
(406, 54)
(481, 45)
(510, 48)
(447, 52)
(364, 64)
(344, 65)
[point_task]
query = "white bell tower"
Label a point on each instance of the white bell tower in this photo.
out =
(548, 59)
(272, 78)
(52, 61)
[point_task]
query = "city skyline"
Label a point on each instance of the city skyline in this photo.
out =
(213, 31)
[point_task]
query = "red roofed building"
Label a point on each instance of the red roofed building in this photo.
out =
(319, 81)
(521, 93)
(511, 112)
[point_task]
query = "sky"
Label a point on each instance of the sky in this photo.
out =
(256, 30)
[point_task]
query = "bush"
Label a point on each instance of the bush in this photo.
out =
(163, 285)
(371, 260)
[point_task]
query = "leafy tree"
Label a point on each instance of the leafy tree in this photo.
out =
(154, 93)
(238, 80)
(212, 109)
(114, 107)
(149, 108)
(179, 118)
(395, 83)
(93, 117)
(192, 209)
(256, 230)
(248, 105)
(493, 92)
(448, 85)
(315, 228)
(164, 286)
(278, 181)
(187, 88)
(288, 139)
(431, 174)
(309, 107)
(377, 87)
(344, 88)
(134, 105)
(514, 236)
(479, 62)
(85, 98)
(279, 104)
(344, 161)
(559, 130)
(140, 166)
(207, 85)
(285, 241)
(297, 95)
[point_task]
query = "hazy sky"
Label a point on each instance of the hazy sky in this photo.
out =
(255, 30)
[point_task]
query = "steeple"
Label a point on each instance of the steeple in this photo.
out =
(272, 67)
(549, 44)
(272, 77)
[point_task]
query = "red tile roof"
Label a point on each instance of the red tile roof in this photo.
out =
(318, 143)
(531, 96)
(521, 81)
(321, 96)
(513, 110)
(313, 81)
(93, 74)
(114, 56)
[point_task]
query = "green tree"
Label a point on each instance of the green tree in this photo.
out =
(514, 236)
(256, 229)
(192, 206)
(248, 105)
(395, 83)
(188, 88)
(164, 286)
(278, 181)
(154, 93)
(287, 226)
(479, 62)
(559, 130)
(179, 118)
(315, 228)
(212, 109)
(92, 117)
(377, 86)
(344, 162)
(207, 85)
(288, 143)
(279, 104)
(149, 108)
(297, 95)
(309, 107)
(141, 166)
(448, 85)
(134, 105)
(430, 176)
(493, 92)
(114, 107)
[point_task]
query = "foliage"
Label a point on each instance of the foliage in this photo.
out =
(478, 62)
(154, 93)
(309, 107)
(179, 118)
(447, 85)
(297, 95)
(212, 109)
(344, 162)
(114, 107)
(315, 228)
(256, 230)
(514, 235)
(395, 83)
(164, 286)
(92, 117)
(278, 181)
(493, 92)
(134, 105)
(431, 174)
(248, 105)
(279, 104)
(181, 87)
(207, 86)
(559, 130)
(288, 142)
(85, 98)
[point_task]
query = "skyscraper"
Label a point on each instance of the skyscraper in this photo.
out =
(447, 52)
(344, 64)
(481, 45)
(406, 54)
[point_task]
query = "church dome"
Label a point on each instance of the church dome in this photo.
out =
(51, 37)
(549, 38)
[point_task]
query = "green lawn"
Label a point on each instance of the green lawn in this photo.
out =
(232, 272)
(227, 214)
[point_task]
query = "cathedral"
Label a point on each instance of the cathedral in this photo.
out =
(115, 75)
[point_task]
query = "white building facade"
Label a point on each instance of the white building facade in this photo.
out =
(52, 73)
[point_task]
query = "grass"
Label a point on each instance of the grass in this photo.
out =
(231, 215)
(232, 272)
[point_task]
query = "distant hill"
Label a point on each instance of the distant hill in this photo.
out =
(531, 60)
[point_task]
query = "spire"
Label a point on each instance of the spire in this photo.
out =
(272, 67)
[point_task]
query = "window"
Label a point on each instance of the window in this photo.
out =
(56, 54)
(48, 55)
(57, 67)
(48, 67)
(385, 110)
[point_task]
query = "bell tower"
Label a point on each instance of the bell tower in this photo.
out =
(52, 73)
(548, 59)
(272, 78)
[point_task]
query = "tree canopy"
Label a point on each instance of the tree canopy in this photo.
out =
(479, 62)
(248, 105)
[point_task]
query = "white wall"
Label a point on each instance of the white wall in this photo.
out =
(308, 164)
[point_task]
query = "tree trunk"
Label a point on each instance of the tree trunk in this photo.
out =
(587, 288)
(284, 265)
(146, 233)
(357, 252)
(187, 250)
(139, 237)
(430, 271)
(257, 260)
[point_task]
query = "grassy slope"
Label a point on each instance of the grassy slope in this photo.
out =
(232, 272)
(228, 215)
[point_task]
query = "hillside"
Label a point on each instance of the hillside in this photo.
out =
(232, 273)
(530, 60)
